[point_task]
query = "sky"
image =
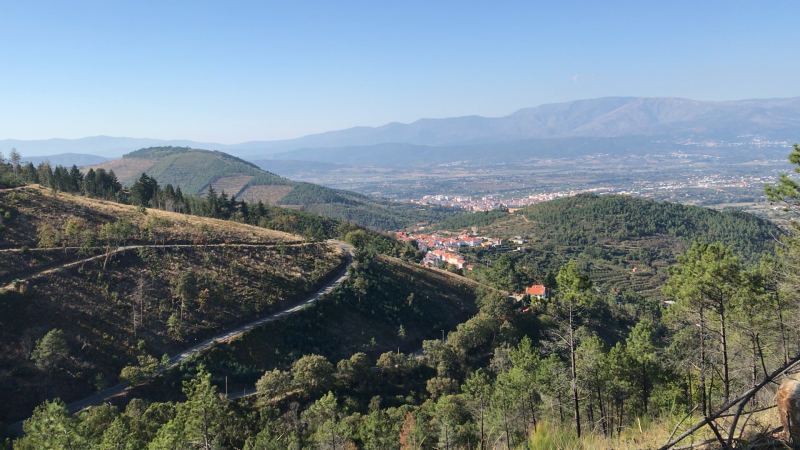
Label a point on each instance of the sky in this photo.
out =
(230, 72)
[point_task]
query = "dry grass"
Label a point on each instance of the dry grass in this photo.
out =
(654, 433)
(94, 307)
(35, 209)
(184, 227)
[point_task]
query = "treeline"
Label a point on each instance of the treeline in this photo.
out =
(147, 192)
(96, 183)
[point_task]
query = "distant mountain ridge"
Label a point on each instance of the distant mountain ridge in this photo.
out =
(66, 159)
(604, 117)
(667, 117)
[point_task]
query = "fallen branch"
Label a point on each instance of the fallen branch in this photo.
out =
(675, 430)
(765, 408)
(716, 433)
(698, 444)
(744, 397)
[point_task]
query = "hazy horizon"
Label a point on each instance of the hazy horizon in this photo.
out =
(251, 72)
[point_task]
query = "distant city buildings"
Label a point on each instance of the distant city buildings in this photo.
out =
(690, 189)
(493, 202)
(445, 249)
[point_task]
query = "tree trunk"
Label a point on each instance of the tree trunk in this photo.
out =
(482, 436)
(645, 388)
(533, 411)
(602, 411)
(723, 342)
(703, 398)
(524, 416)
(576, 402)
(784, 344)
(505, 424)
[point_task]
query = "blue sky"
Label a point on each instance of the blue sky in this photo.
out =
(236, 71)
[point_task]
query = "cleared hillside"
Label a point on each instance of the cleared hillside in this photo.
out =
(355, 318)
(121, 284)
(195, 170)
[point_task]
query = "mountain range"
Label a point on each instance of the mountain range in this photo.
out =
(666, 118)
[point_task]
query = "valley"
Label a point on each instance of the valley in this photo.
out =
(144, 307)
(694, 177)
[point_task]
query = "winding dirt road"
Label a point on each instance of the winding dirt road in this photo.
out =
(223, 337)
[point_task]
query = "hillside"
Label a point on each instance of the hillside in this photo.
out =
(120, 284)
(397, 296)
(195, 170)
(623, 242)
(367, 367)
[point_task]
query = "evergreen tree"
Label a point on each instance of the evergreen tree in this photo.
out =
(573, 296)
(198, 421)
(50, 427)
(50, 351)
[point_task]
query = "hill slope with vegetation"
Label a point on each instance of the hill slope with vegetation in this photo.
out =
(195, 171)
(624, 242)
(116, 283)
(578, 370)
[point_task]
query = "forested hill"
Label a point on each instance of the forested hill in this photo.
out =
(622, 242)
(194, 170)
(592, 219)
(589, 219)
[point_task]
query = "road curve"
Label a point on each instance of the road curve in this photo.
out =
(188, 353)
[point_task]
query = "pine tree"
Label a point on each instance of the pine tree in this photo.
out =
(573, 296)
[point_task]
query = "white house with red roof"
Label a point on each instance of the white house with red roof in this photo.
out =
(538, 291)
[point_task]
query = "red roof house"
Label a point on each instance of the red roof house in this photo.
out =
(537, 290)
